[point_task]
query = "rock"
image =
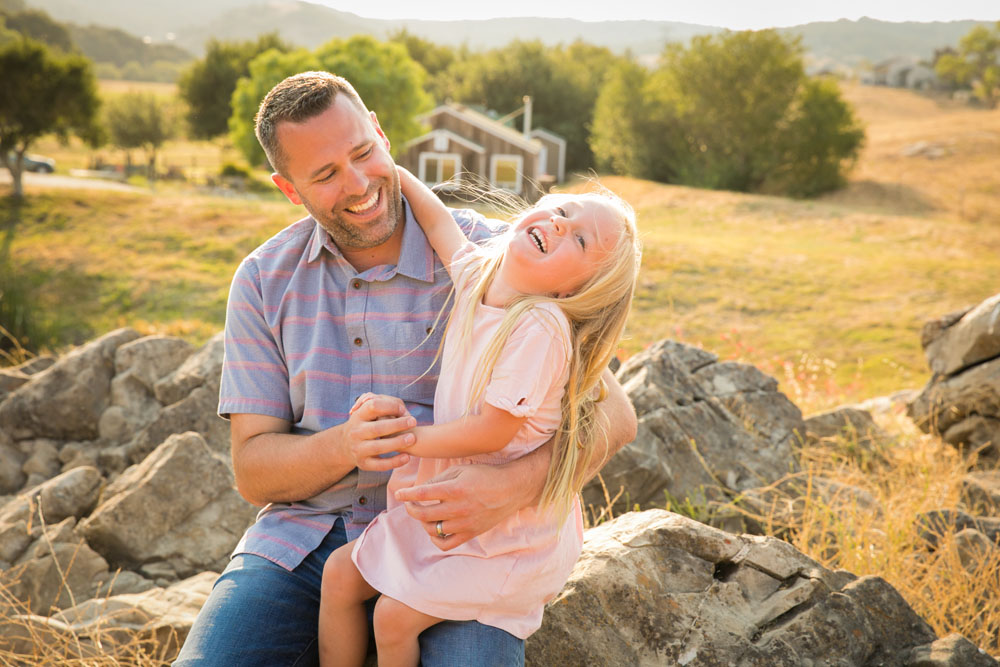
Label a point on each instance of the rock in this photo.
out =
(951, 651)
(706, 430)
(851, 429)
(962, 401)
(655, 588)
(55, 571)
(15, 536)
(65, 401)
(196, 412)
(139, 365)
(12, 458)
(43, 458)
(157, 621)
(974, 550)
(971, 339)
(938, 523)
(964, 408)
(13, 377)
(981, 492)
(71, 494)
(202, 368)
(177, 508)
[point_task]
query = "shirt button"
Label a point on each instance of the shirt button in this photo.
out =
(362, 500)
(356, 284)
(358, 341)
(429, 330)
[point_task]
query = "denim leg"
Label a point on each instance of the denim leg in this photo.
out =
(469, 644)
(259, 613)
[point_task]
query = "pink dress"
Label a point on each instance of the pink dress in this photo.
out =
(504, 577)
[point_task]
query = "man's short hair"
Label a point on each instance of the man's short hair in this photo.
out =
(297, 99)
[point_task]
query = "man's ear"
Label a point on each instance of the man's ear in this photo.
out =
(378, 129)
(287, 188)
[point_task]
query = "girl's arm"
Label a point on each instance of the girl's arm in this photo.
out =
(487, 432)
(442, 231)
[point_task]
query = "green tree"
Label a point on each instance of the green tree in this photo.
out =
(976, 64)
(42, 92)
(732, 111)
(207, 85)
(436, 59)
(563, 83)
(386, 78)
(619, 118)
(139, 120)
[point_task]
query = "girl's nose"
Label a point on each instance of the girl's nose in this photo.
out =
(557, 223)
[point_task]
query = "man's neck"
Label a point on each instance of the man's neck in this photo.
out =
(387, 252)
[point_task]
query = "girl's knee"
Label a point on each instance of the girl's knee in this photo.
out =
(341, 580)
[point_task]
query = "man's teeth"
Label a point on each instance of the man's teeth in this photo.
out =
(365, 205)
(538, 239)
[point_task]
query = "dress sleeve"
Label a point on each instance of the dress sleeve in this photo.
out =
(533, 363)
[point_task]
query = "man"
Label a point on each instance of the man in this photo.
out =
(343, 302)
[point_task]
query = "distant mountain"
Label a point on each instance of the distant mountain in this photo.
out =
(850, 42)
(190, 23)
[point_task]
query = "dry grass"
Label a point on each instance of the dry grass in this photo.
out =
(917, 474)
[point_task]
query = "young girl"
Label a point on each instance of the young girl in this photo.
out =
(537, 318)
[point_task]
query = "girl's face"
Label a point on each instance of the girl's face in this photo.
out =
(558, 246)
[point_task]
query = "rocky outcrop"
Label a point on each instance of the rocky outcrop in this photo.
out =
(962, 400)
(118, 511)
(655, 588)
(707, 430)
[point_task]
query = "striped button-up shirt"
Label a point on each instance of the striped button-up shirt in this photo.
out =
(306, 334)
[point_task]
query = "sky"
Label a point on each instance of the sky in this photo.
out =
(734, 14)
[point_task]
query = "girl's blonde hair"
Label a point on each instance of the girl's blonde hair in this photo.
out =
(596, 313)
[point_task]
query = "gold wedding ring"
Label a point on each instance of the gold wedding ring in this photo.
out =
(440, 532)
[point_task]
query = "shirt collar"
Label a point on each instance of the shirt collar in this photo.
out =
(416, 257)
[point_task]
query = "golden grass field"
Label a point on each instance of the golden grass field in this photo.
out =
(827, 295)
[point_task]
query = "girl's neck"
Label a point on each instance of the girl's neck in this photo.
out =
(500, 292)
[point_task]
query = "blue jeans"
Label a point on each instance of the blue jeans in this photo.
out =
(261, 614)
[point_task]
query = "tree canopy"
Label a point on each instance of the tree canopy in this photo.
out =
(208, 84)
(731, 111)
(975, 64)
(139, 120)
(43, 92)
(563, 83)
(386, 78)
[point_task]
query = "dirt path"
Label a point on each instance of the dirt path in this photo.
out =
(30, 179)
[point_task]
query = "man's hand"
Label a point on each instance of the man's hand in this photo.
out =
(373, 430)
(466, 501)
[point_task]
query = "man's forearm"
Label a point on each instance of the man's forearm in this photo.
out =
(617, 417)
(283, 467)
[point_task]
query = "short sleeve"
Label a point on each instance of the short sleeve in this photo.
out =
(463, 263)
(534, 362)
(254, 373)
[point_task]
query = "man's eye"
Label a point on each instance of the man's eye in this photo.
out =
(367, 152)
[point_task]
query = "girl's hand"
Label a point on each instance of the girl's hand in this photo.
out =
(377, 427)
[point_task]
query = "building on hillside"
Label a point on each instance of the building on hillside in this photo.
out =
(465, 146)
(902, 72)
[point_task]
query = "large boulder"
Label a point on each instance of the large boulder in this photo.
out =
(655, 588)
(707, 430)
(961, 402)
(173, 515)
(139, 365)
(66, 400)
(963, 339)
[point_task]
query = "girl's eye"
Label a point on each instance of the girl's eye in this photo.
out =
(583, 243)
(561, 211)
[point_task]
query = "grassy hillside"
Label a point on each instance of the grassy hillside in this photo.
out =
(829, 293)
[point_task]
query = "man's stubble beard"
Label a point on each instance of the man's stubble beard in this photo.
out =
(347, 234)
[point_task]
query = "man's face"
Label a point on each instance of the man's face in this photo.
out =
(337, 165)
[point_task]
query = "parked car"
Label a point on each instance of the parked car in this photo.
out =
(39, 163)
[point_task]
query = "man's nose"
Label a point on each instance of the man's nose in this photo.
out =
(355, 182)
